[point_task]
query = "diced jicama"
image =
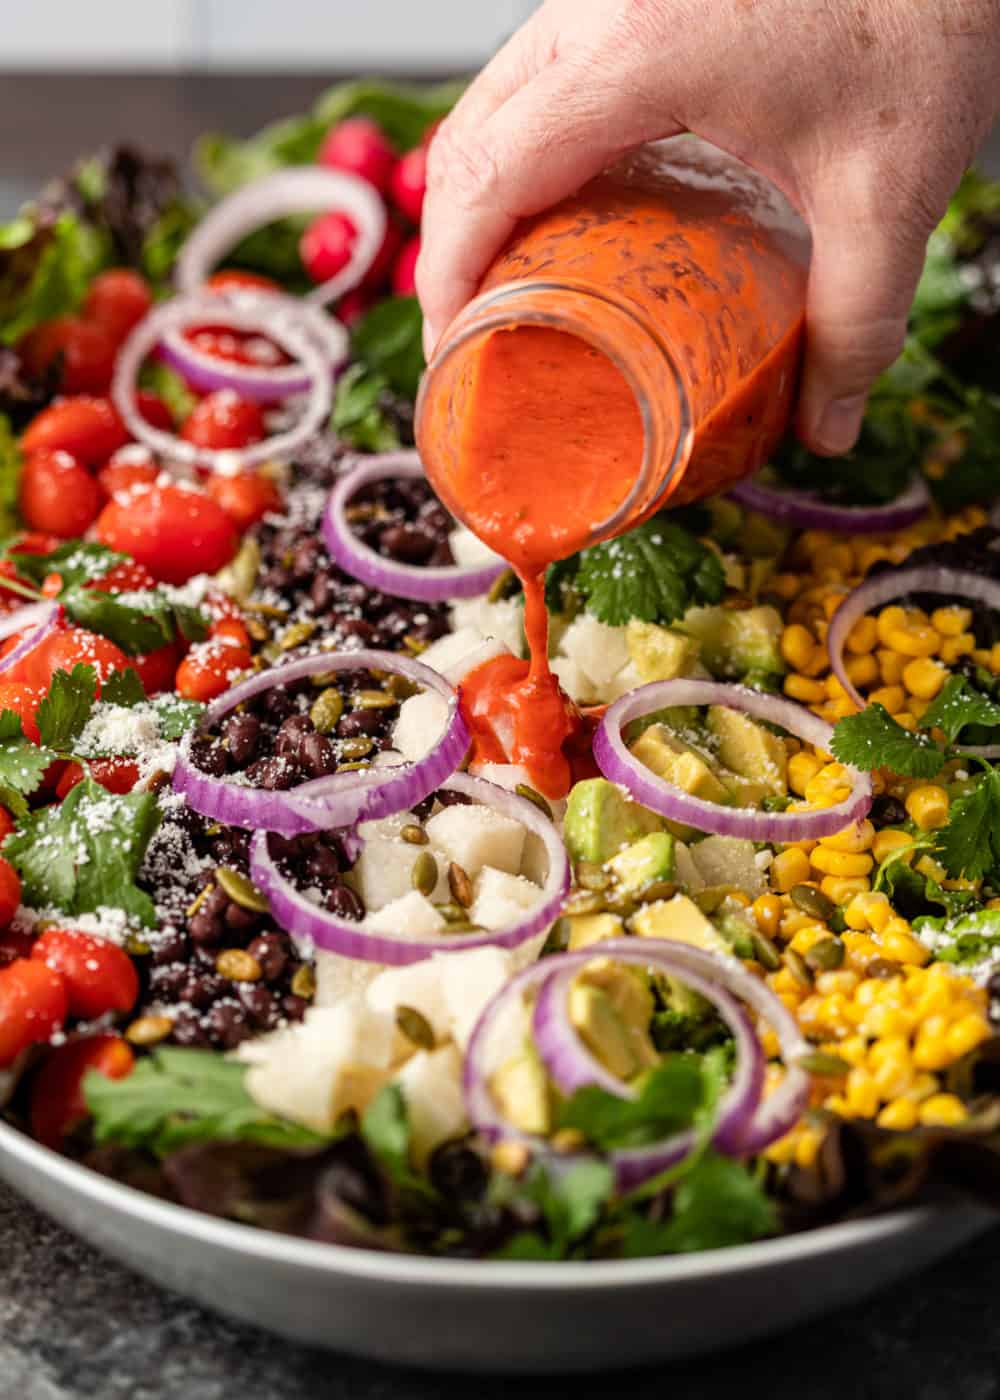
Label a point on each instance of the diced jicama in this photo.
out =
(474, 836)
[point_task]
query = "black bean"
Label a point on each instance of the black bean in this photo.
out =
(291, 733)
(293, 1007)
(358, 722)
(215, 902)
(166, 982)
(887, 811)
(411, 546)
(271, 951)
(275, 774)
(210, 757)
(322, 592)
(205, 929)
(345, 903)
(322, 865)
(243, 734)
(169, 946)
(317, 755)
(457, 1172)
(259, 1005)
(357, 627)
(201, 989)
(189, 1029)
(228, 1024)
(277, 703)
(239, 919)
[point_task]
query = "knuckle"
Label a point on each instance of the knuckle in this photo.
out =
(462, 167)
(857, 350)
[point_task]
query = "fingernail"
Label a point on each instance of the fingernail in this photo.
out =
(840, 424)
(430, 340)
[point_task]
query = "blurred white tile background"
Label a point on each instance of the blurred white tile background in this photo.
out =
(241, 35)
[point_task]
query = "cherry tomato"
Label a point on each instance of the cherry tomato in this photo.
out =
(224, 420)
(233, 279)
(352, 306)
(156, 669)
(360, 146)
(24, 700)
(117, 300)
(231, 629)
(33, 1004)
(99, 976)
(86, 426)
(210, 668)
(118, 775)
(52, 585)
(237, 346)
(409, 182)
(74, 646)
(7, 823)
(119, 475)
(81, 352)
(244, 498)
(15, 943)
(325, 247)
(404, 273)
(154, 410)
(36, 542)
(378, 274)
(57, 1103)
(126, 577)
(174, 531)
(10, 892)
(57, 493)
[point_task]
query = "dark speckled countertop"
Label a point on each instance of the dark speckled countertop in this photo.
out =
(74, 1326)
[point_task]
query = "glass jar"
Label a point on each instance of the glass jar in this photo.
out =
(636, 344)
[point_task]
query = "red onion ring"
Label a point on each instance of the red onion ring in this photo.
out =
(746, 1123)
(342, 799)
(301, 189)
(206, 373)
(299, 916)
(619, 766)
(897, 583)
(41, 618)
(808, 510)
(425, 584)
(286, 322)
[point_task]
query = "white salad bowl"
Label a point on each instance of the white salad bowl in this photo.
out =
(485, 1316)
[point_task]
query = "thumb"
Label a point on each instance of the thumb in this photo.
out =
(861, 284)
(542, 144)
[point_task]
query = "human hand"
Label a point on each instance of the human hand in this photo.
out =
(863, 112)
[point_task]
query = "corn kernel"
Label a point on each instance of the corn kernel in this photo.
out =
(855, 838)
(807, 1147)
(892, 697)
(862, 637)
(830, 785)
(995, 657)
(789, 868)
(842, 888)
(924, 677)
(928, 806)
(890, 619)
(891, 1047)
(942, 1111)
(785, 585)
(869, 554)
(907, 721)
(965, 1034)
(954, 647)
(983, 656)
(900, 1116)
(932, 868)
(862, 671)
(799, 687)
(889, 840)
(840, 981)
(916, 707)
(803, 940)
(864, 909)
(893, 1077)
(904, 948)
(802, 767)
(890, 667)
(797, 646)
(951, 622)
(834, 862)
(861, 1094)
(767, 912)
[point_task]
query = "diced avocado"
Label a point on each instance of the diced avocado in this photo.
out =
(521, 1091)
(682, 719)
(645, 861)
(630, 993)
(744, 792)
(735, 642)
(679, 919)
(686, 873)
(600, 820)
(729, 861)
(761, 571)
(678, 763)
(727, 518)
(659, 653)
(603, 1029)
(750, 750)
(585, 929)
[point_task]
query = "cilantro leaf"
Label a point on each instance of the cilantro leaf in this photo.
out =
(357, 413)
(385, 1127)
(75, 561)
(571, 1203)
(84, 854)
(66, 708)
(668, 1100)
(22, 764)
(873, 739)
(133, 626)
(175, 715)
(125, 688)
(969, 846)
(962, 940)
(958, 704)
(718, 1202)
(388, 339)
(175, 1097)
(654, 573)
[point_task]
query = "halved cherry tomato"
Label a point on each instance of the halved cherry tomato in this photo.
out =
(82, 353)
(118, 775)
(224, 420)
(57, 493)
(231, 629)
(232, 279)
(73, 646)
(99, 976)
(239, 347)
(126, 577)
(117, 301)
(156, 669)
(120, 474)
(244, 498)
(57, 1103)
(52, 585)
(154, 410)
(33, 1004)
(24, 700)
(174, 531)
(210, 668)
(10, 892)
(86, 426)
(353, 305)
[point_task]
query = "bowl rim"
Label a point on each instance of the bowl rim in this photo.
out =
(273, 1247)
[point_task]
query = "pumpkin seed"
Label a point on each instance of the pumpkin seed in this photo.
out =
(460, 885)
(326, 709)
(198, 901)
(591, 876)
(812, 902)
(585, 902)
(796, 965)
(453, 913)
(241, 890)
(357, 747)
(149, 1030)
(414, 645)
(567, 1140)
(531, 795)
(416, 1027)
(657, 889)
(256, 629)
(138, 947)
(400, 686)
(414, 835)
(375, 700)
(304, 982)
(238, 965)
(268, 610)
(819, 1062)
(883, 968)
(295, 635)
(424, 875)
(765, 951)
(353, 767)
(825, 955)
